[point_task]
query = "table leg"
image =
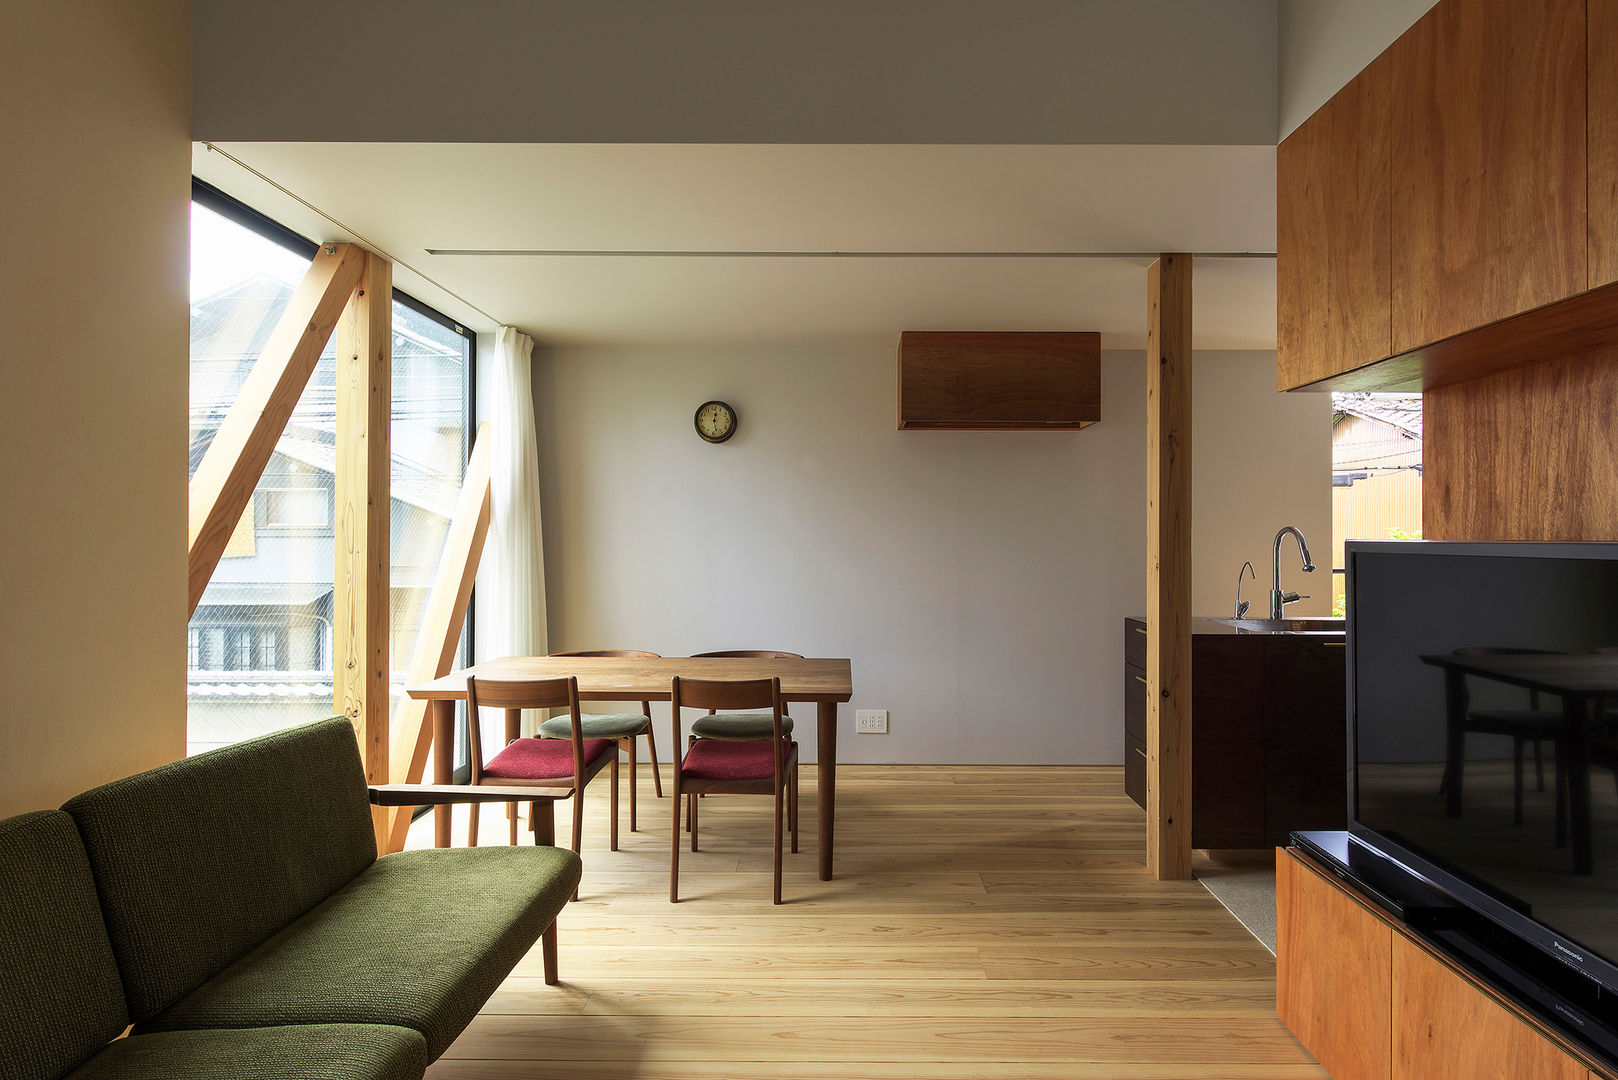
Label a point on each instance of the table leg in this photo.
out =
(826, 781)
(1456, 701)
(1578, 783)
(443, 718)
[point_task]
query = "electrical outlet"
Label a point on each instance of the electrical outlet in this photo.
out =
(871, 721)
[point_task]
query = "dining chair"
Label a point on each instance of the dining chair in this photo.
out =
(737, 726)
(1532, 725)
(624, 728)
(734, 767)
(538, 763)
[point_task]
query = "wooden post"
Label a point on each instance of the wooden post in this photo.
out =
(242, 446)
(1168, 568)
(441, 632)
(360, 621)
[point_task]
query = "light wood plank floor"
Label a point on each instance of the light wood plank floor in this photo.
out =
(991, 923)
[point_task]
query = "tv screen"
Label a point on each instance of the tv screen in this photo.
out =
(1484, 730)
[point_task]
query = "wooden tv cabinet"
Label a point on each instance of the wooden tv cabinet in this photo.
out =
(1371, 1001)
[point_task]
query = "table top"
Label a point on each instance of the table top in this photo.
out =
(1563, 674)
(613, 678)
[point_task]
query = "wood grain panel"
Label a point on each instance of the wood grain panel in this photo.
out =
(360, 540)
(1333, 236)
(1580, 324)
(1168, 567)
(1530, 454)
(1488, 133)
(1602, 129)
(1333, 962)
(1448, 1030)
(1031, 381)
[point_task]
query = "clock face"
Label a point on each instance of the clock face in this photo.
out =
(716, 421)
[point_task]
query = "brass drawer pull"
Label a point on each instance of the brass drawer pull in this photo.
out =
(1140, 629)
(1139, 751)
(1140, 679)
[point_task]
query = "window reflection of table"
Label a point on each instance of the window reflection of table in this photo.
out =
(1581, 680)
(613, 678)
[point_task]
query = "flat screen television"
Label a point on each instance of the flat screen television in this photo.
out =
(1483, 735)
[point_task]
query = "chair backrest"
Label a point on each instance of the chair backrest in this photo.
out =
(199, 861)
(623, 654)
(61, 995)
(515, 695)
(751, 654)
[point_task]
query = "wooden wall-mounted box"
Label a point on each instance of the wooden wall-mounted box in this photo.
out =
(1004, 381)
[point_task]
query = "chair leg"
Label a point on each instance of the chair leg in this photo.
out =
(472, 829)
(542, 820)
(578, 828)
(547, 942)
(651, 751)
(692, 805)
(792, 805)
(511, 816)
(1539, 767)
(674, 846)
(692, 824)
(780, 796)
(634, 774)
(612, 829)
(1516, 781)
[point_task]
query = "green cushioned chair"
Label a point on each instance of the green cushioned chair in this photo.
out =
(241, 889)
(743, 726)
(624, 728)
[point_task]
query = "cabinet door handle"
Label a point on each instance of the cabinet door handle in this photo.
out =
(1139, 751)
(1140, 629)
(1335, 644)
(1140, 679)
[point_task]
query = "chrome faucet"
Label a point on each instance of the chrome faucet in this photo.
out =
(1278, 599)
(1242, 605)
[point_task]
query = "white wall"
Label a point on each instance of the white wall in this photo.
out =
(95, 180)
(732, 71)
(978, 580)
(1325, 43)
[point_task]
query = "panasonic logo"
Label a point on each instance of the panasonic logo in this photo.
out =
(1557, 945)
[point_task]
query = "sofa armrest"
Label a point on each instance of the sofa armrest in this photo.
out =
(441, 794)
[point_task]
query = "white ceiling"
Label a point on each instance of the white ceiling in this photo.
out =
(409, 198)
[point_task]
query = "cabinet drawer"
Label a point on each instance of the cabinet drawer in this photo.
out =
(1135, 643)
(1135, 769)
(1135, 702)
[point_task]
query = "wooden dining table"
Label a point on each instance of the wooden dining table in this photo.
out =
(825, 682)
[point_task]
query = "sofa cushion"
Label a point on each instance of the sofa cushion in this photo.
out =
(60, 994)
(201, 860)
(313, 1052)
(420, 939)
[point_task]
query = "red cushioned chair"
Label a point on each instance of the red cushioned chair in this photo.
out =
(715, 766)
(567, 765)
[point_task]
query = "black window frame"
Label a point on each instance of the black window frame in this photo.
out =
(233, 209)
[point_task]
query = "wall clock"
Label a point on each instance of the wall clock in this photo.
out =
(716, 421)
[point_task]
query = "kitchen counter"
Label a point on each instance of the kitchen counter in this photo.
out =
(1269, 731)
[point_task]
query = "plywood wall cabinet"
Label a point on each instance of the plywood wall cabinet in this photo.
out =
(1447, 1030)
(1602, 127)
(1333, 972)
(1489, 164)
(1333, 237)
(999, 381)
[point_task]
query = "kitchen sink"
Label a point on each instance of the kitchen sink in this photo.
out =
(1312, 624)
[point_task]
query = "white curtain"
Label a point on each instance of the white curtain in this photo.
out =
(512, 598)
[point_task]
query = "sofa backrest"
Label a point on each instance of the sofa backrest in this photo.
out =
(60, 993)
(200, 860)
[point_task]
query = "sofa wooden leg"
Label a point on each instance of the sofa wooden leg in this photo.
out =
(547, 948)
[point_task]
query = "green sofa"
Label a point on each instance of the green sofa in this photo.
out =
(232, 908)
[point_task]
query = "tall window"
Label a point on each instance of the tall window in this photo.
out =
(259, 646)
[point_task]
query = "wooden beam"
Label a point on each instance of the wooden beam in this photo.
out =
(1168, 568)
(360, 619)
(242, 446)
(441, 628)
